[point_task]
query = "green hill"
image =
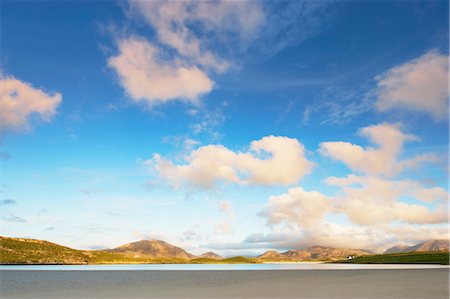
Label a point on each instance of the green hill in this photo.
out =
(30, 251)
(239, 260)
(441, 258)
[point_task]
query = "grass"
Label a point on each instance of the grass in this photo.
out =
(15, 251)
(240, 260)
(440, 258)
(27, 251)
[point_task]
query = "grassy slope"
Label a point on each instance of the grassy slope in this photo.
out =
(441, 258)
(28, 251)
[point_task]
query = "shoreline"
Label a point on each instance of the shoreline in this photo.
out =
(222, 267)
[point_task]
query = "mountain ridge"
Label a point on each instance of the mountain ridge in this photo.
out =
(430, 245)
(316, 252)
(32, 251)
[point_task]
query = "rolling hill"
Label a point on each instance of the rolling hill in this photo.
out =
(30, 251)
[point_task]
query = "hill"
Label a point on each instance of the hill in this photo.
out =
(432, 245)
(30, 251)
(312, 253)
(39, 252)
(153, 249)
(330, 253)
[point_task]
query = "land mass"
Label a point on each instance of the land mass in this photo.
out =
(31, 251)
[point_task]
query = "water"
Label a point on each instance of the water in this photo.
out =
(312, 281)
(223, 267)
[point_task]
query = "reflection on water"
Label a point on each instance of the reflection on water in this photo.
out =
(268, 266)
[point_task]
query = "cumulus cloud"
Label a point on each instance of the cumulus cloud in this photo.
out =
(272, 160)
(420, 84)
(381, 201)
(20, 102)
(365, 200)
(380, 160)
(381, 213)
(147, 77)
(298, 207)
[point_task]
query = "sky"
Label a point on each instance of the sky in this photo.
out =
(228, 126)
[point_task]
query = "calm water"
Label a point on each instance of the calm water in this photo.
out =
(316, 282)
(206, 267)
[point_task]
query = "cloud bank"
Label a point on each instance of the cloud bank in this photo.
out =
(371, 209)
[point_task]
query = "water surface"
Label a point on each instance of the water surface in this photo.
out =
(309, 284)
(207, 267)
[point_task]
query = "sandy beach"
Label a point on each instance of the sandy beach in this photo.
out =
(376, 284)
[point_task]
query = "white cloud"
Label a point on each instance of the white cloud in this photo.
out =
(298, 207)
(147, 77)
(191, 40)
(372, 200)
(176, 65)
(271, 160)
(20, 102)
(380, 160)
(382, 213)
(174, 22)
(420, 84)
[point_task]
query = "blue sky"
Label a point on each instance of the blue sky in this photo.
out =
(129, 120)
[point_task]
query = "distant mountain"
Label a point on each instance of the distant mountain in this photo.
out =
(328, 253)
(311, 253)
(298, 255)
(397, 249)
(153, 249)
(273, 255)
(432, 245)
(211, 255)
